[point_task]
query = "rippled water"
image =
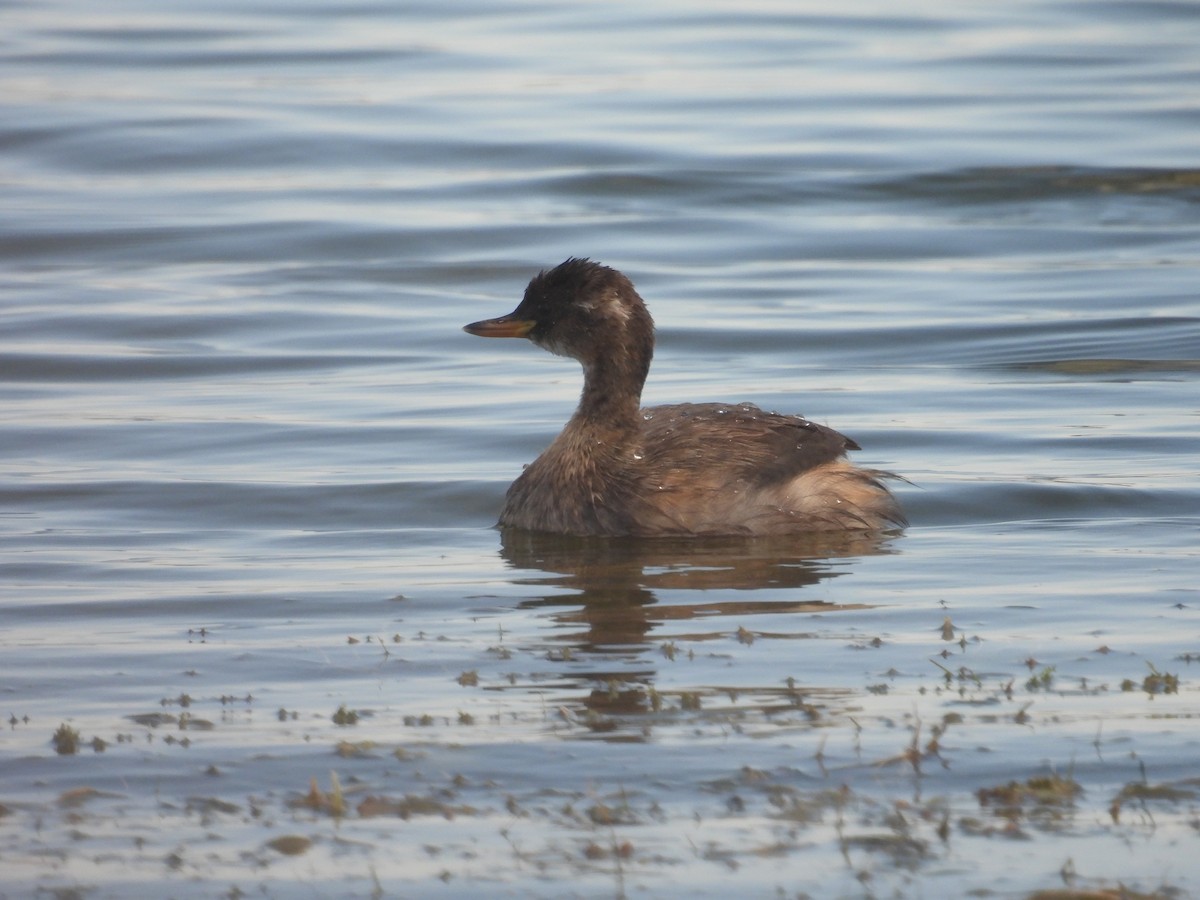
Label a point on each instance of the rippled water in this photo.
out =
(249, 462)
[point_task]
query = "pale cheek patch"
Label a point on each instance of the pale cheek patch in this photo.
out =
(614, 308)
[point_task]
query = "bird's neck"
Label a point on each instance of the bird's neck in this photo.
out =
(612, 390)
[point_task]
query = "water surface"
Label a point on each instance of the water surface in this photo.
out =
(250, 464)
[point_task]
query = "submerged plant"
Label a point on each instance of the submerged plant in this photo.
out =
(1041, 796)
(66, 740)
(1155, 683)
(1042, 680)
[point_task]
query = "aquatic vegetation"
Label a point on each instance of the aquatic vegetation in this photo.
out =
(1042, 680)
(66, 740)
(1014, 798)
(410, 805)
(1142, 795)
(1154, 683)
(331, 803)
(355, 749)
(290, 844)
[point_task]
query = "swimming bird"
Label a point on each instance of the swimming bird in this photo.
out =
(682, 469)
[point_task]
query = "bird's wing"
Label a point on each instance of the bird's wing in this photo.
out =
(739, 440)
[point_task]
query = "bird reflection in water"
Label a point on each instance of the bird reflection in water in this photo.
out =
(617, 587)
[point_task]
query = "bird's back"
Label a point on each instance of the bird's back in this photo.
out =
(734, 468)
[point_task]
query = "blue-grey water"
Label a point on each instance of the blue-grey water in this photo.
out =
(250, 464)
